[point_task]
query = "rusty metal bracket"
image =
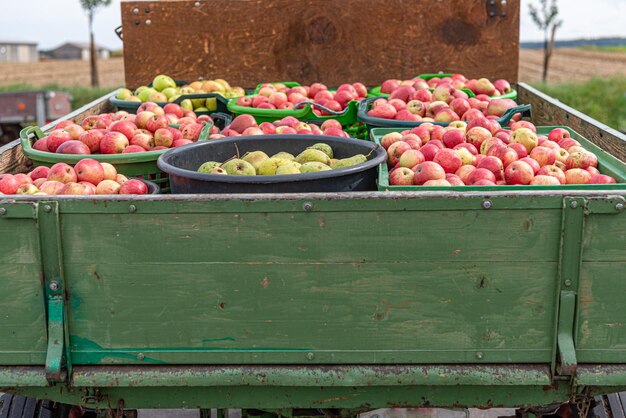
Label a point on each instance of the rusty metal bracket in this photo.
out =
(58, 364)
(572, 227)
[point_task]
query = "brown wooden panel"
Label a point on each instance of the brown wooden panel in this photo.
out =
(551, 112)
(251, 41)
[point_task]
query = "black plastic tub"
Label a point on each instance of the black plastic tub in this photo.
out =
(181, 164)
(153, 188)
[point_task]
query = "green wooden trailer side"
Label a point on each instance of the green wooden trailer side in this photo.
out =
(351, 300)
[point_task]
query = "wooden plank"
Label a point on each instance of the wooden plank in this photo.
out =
(605, 238)
(20, 241)
(416, 312)
(300, 237)
(252, 41)
(549, 111)
(23, 330)
(601, 334)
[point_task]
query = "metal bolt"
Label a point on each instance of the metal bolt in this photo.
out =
(573, 204)
(148, 22)
(307, 206)
(479, 355)
(140, 356)
(310, 356)
(487, 204)
(132, 208)
(619, 206)
(3, 211)
(54, 286)
(197, 4)
(136, 11)
(47, 208)
(568, 283)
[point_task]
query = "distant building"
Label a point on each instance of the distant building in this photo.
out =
(18, 51)
(77, 51)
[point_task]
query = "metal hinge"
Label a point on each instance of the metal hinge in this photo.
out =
(58, 361)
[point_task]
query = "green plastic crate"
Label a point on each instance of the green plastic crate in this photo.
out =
(375, 91)
(372, 122)
(139, 164)
(305, 113)
(607, 164)
(221, 103)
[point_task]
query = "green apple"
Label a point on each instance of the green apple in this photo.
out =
(310, 154)
(157, 97)
(161, 82)
(239, 167)
(145, 94)
(255, 158)
(123, 94)
(186, 104)
(208, 166)
(284, 156)
(170, 92)
(313, 167)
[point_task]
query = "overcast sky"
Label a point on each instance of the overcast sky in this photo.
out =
(53, 22)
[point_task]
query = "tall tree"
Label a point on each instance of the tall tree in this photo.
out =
(90, 6)
(546, 19)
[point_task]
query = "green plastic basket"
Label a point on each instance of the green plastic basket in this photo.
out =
(286, 83)
(373, 122)
(304, 112)
(607, 164)
(375, 92)
(221, 103)
(510, 95)
(139, 164)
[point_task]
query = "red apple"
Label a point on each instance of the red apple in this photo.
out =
(56, 138)
(577, 176)
(519, 149)
(448, 159)
(395, 151)
(73, 147)
(51, 187)
(410, 158)
(113, 143)
(557, 134)
(163, 137)
(543, 155)
(133, 148)
(8, 184)
(39, 172)
(156, 122)
(479, 174)
(133, 186)
(464, 171)
(62, 172)
(89, 170)
(108, 187)
(518, 172)
(542, 179)
(453, 138)
(428, 170)
(601, 179)
(401, 176)
(552, 171)
(127, 128)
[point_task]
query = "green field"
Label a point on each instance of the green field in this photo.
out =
(603, 99)
(620, 48)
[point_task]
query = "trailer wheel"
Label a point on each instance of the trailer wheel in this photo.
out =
(16, 406)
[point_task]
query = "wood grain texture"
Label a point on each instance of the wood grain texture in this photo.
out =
(254, 41)
(23, 329)
(549, 111)
(300, 237)
(601, 334)
(418, 312)
(605, 238)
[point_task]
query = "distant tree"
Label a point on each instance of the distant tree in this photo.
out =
(546, 19)
(90, 6)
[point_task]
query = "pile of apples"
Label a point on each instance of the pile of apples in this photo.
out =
(247, 125)
(87, 177)
(279, 96)
(417, 103)
(121, 132)
(164, 89)
(480, 153)
(457, 81)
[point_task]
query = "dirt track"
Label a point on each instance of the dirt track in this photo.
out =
(570, 65)
(566, 65)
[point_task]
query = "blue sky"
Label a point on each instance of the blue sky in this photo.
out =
(52, 22)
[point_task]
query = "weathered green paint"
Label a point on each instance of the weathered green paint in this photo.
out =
(311, 376)
(22, 317)
(373, 278)
(275, 397)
